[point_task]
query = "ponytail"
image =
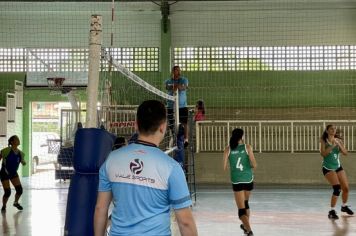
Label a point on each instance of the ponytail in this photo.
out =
(236, 136)
(324, 136)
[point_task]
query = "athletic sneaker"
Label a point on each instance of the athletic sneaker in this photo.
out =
(250, 233)
(18, 206)
(243, 228)
(332, 215)
(347, 210)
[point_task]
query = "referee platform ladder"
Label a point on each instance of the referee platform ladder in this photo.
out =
(190, 158)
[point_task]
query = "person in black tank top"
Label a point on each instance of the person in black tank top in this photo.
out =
(11, 158)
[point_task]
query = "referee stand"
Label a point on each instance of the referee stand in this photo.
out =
(185, 156)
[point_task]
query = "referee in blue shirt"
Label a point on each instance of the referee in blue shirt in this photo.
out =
(144, 183)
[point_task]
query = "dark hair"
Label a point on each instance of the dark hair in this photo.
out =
(200, 106)
(11, 139)
(324, 136)
(119, 142)
(235, 138)
(150, 115)
(174, 67)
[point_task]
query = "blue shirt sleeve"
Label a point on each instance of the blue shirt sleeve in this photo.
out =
(184, 81)
(104, 182)
(179, 196)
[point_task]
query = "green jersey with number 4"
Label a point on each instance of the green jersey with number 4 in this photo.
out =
(240, 167)
(332, 160)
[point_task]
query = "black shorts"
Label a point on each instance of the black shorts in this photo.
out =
(325, 171)
(242, 187)
(5, 176)
(183, 116)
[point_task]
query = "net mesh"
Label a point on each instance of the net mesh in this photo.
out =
(247, 60)
(268, 60)
(121, 92)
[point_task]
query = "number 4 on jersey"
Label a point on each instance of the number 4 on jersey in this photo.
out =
(239, 165)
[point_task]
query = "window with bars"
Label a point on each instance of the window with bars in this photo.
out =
(12, 59)
(56, 59)
(71, 59)
(135, 59)
(297, 58)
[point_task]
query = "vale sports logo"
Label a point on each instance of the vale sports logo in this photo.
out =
(136, 166)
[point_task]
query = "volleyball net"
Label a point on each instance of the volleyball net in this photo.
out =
(117, 110)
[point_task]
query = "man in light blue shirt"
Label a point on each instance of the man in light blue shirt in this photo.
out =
(144, 183)
(178, 83)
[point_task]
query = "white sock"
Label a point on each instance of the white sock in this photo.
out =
(344, 204)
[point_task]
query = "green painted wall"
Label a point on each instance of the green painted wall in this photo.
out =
(18, 129)
(7, 84)
(26, 138)
(273, 89)
(260, 89)
(165, 50)
(127, 92)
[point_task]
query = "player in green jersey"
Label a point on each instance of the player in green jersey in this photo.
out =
(241, 161)
(331, 146)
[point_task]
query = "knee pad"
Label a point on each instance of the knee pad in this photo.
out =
(7, 192)
(18, 190)
(242, 212)
(337, 190)
(246, 205)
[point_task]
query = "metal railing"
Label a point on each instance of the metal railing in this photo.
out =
(69, 123)
(272, 136)
(115, 119)
(118, 119)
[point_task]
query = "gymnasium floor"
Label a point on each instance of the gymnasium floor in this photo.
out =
(275, 211)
